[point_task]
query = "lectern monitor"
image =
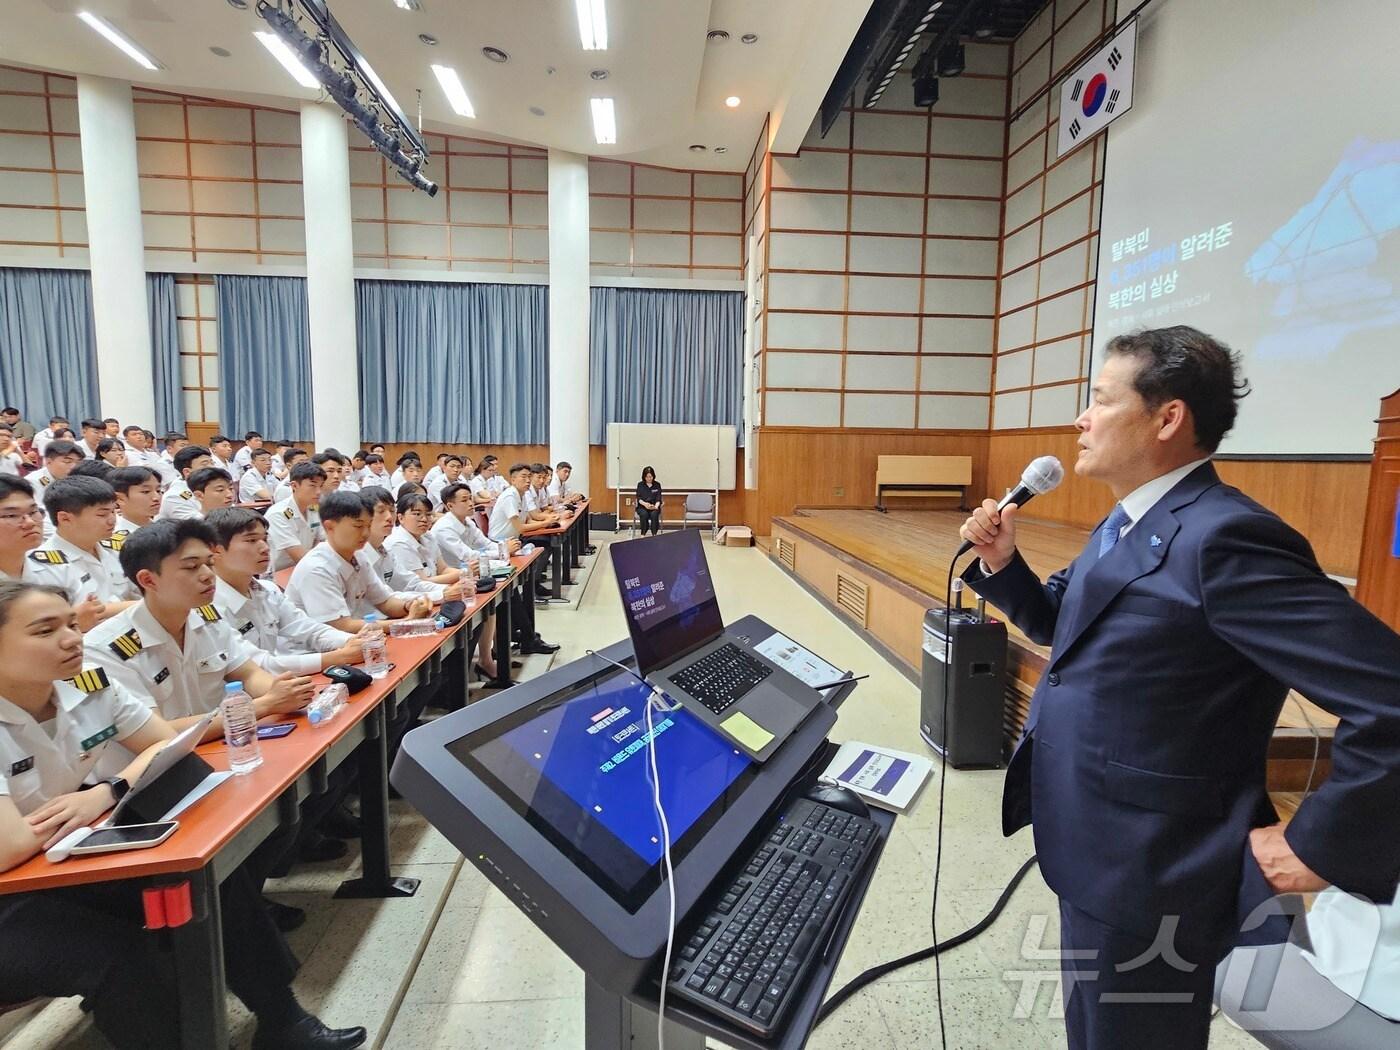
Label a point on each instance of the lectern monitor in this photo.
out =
(576, 767)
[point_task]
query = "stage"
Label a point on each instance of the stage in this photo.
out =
(881, 572)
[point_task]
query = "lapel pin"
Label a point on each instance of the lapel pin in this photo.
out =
(1156, 540)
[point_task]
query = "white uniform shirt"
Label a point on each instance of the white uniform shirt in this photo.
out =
(508, 505)
(558, 489)
(530, 501)
(41, 441)
(282, 492)
(456, 538)
(41, 479)
(83, 447)
(348, 484)
(434, 474)
(404, 585)
(89, 723)
(61, 564)
(234, 472)
(415, 558)
(124, 528)
(137, 652)
(379, 481)
(396, 479)
(288, 527)
(10, 463)
(26, 574)
(179, 502)
(1356, 946)
(435, 488)
(289, 640)
(251, 482)
(326, 586)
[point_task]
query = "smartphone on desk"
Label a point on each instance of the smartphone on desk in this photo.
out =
(131, 836)
(277, 729)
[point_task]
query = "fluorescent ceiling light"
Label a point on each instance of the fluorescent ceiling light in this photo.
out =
(452, 88)
(289, 60)
(408, 5)
(592, 24)
(110, 32)
(604, 121)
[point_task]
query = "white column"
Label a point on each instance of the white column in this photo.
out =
(330, 277)
(116, 251)
(568, 313)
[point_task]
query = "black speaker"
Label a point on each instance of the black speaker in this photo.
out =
(976, 683)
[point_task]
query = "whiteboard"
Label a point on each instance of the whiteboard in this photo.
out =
(685, 456)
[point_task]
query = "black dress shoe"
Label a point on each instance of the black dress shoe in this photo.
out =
(308, 1034)
(285, 917)
(320, 848)
(340, 823)
(540, 647)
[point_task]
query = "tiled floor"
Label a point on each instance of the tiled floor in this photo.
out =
(459, 967)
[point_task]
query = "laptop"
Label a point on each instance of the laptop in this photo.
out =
(682, 647)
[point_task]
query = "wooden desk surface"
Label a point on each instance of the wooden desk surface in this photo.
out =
(208, 825)
(559, 527)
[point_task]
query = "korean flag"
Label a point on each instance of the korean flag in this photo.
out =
(1099, 90)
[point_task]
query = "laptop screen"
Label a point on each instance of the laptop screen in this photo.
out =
(667, 595)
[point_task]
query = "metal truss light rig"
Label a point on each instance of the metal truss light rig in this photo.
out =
(335, 61)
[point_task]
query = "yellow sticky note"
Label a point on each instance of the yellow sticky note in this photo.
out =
(748, 732)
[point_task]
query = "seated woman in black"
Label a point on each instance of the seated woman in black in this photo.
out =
(67, 736)
(649, 502)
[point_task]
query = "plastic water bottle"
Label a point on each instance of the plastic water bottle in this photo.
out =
(240, 729)
(376, 650)
(411, 628)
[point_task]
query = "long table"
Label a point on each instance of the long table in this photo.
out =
(565, 542)
(180, 878)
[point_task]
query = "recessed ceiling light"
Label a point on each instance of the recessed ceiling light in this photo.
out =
(242, 5)
(716, 36)
(428, 39)
(456, 94)
(733, 101)
(749, 38)
(592, 24)
(495, 54)
(284, 54)
(222, 52)
(599, 74)
(721, 149)
(604, 121)
(697, 148)
(537, 111)
(409, 5)
(116, 38)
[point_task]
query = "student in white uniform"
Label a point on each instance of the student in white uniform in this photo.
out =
(79, 557)
(456, 533)
(357, 466)
(10, 458)
(112, 452)
(60, 457)
(279, 466)
(43, 437)
(411, 473)
(67, 737)
(213, 488)
(291, 457)
(93, 432)
(257, 483)
(508, 514)
(405, 583)
(138, 501)
(180, 501)
(330, 462)
(221, 452)
(559, 487)
(434, 472)
(289, 639)
(450, 474)
(243, 458)
(173, 649)
(376, 474)
(293, 525)
(20, 527)
(332, 584)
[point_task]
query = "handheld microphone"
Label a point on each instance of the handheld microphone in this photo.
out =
(1041, 475)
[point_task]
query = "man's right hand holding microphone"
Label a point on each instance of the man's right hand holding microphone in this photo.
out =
(992, 533)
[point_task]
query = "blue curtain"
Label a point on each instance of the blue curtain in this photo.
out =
(165, 352)
(48, 355)
(665, 356)
(265, 356)
(453, 363)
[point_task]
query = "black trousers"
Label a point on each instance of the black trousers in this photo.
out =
(89, 941)
(649, 519)
(1124, 990)
(522, 609)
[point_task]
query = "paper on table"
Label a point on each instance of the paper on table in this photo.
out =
(748, 732)
(803, 665)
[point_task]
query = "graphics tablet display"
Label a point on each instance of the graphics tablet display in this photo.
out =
(575, 765)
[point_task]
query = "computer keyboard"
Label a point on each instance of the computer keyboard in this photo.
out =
(722, 677)
(749, 955)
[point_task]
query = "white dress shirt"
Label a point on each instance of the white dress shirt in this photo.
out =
(61, 564)
(81, 746)
(138, 653)
(179, 502)
(251, 482)
(1143, 498)
(404, 585)
(507, 506)
(326, 586)
(456, 539)
(288, 527)
(289, 640)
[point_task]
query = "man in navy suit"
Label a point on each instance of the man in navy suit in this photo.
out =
(1175, 637)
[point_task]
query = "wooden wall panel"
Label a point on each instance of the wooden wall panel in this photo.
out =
(1378, 577)
(1325, 501)
(805, 467)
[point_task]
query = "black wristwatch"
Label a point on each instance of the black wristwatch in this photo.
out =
(119, 787)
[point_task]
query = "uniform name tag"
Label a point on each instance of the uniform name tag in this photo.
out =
(24, 765)
(162, 675)
(246, 627)
(98, 738)
(85, 577)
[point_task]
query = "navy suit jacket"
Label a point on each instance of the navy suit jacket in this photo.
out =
(1143, 759)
